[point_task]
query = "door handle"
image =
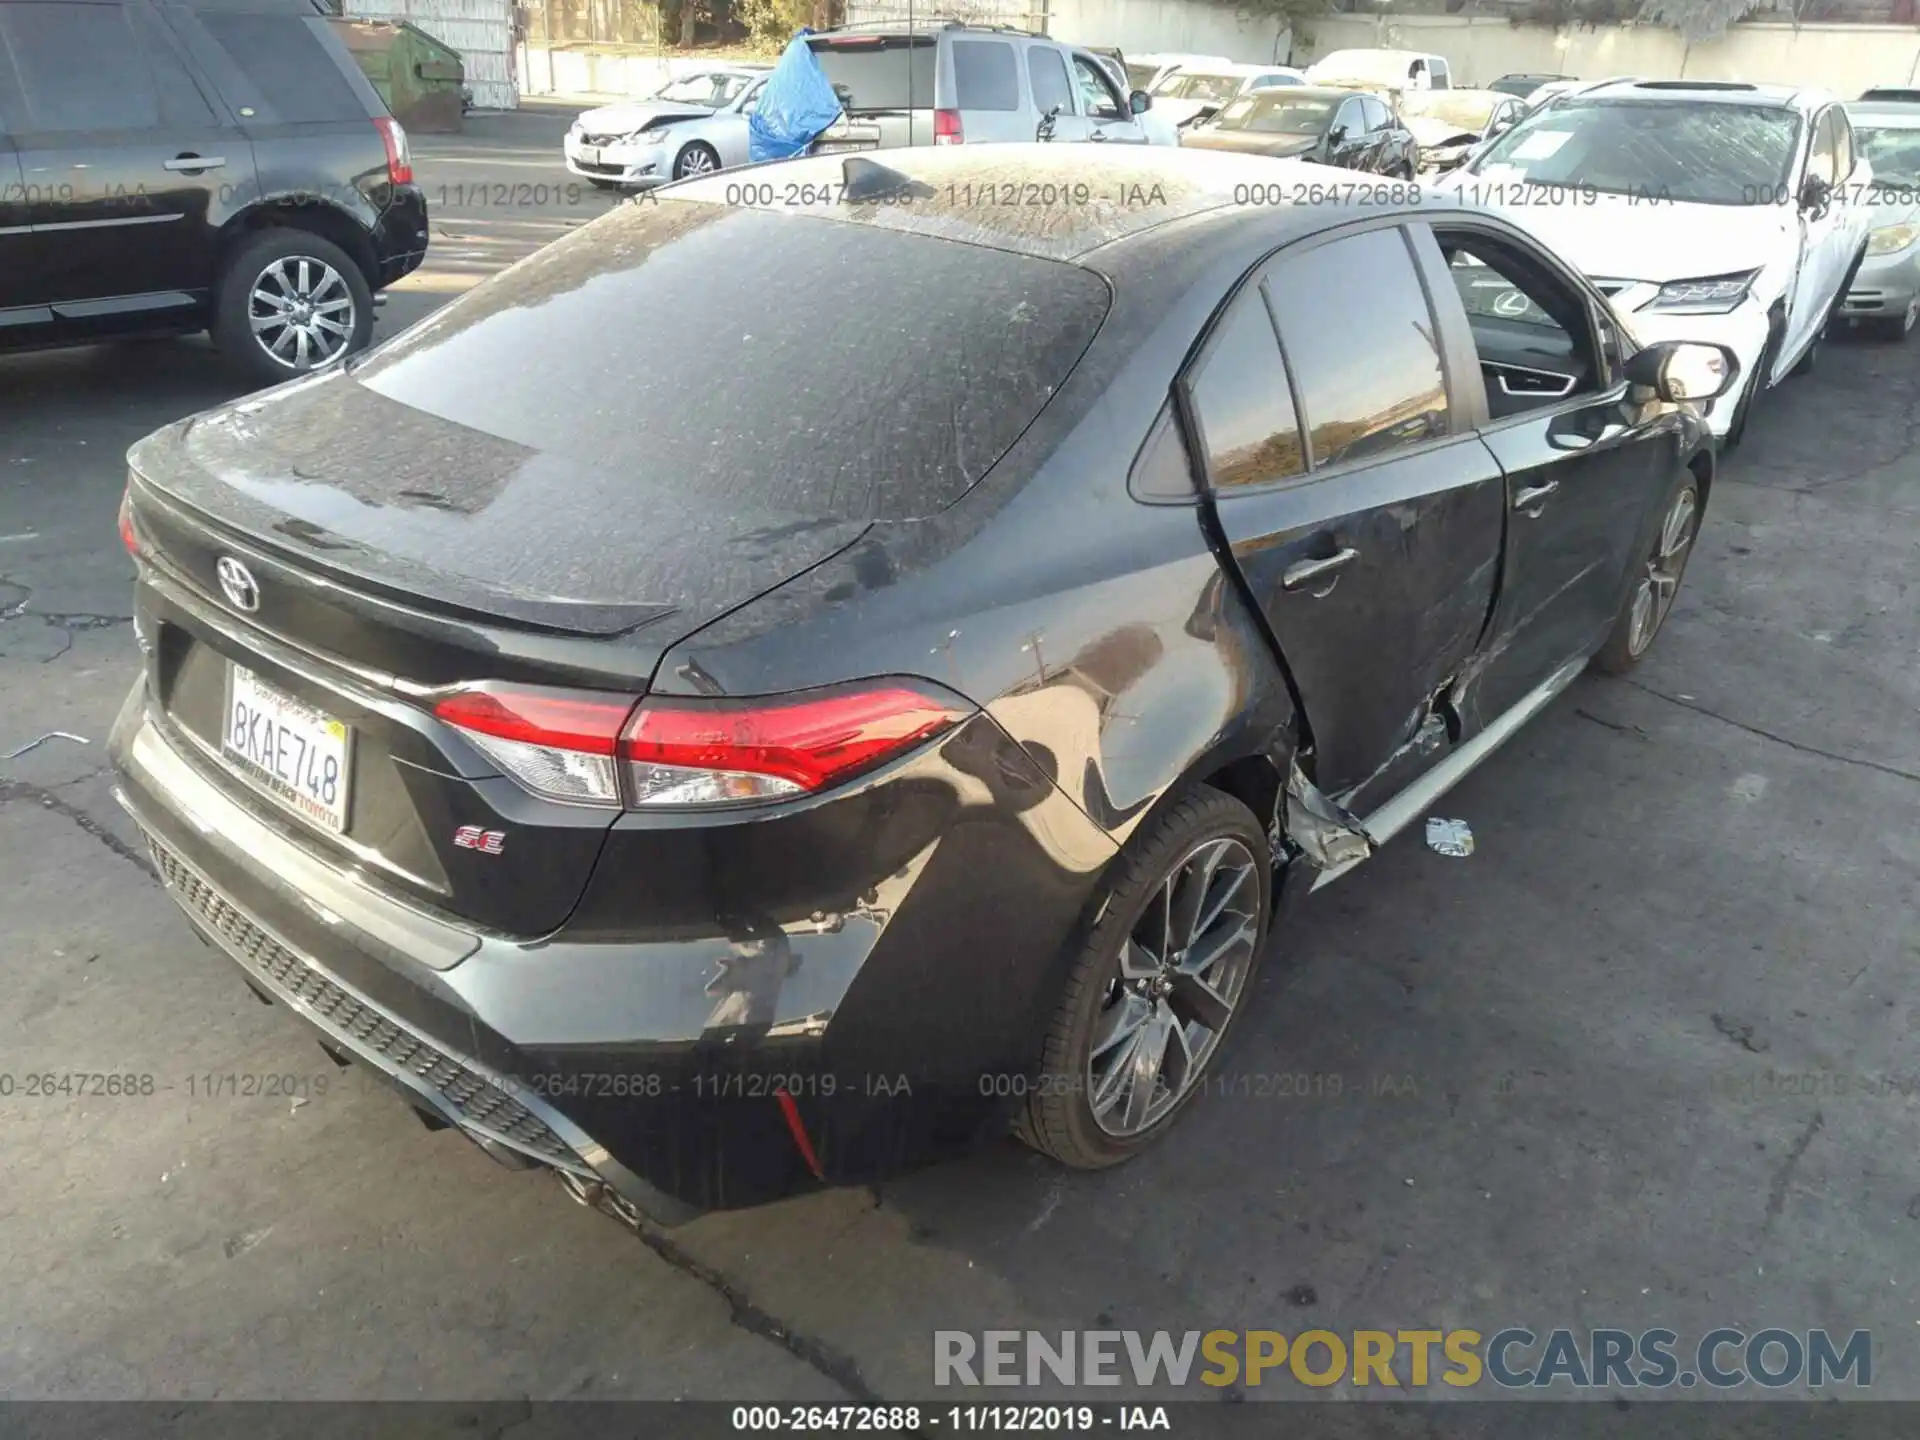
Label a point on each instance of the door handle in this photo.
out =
(194, 162)
(1302, 573)
(1530, 500)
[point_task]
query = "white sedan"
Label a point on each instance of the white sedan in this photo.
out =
(1719, 212)
(693, 125)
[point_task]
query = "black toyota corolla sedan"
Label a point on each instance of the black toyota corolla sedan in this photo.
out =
(797, 677)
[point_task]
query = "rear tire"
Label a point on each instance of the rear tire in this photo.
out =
(1657, 585)
(1155, 985)
(284, 285)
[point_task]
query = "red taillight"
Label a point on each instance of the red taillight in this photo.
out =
(702, 753)
(600, 750)
(399, 156)
(946, 127)
(129, 537)
(556, 743)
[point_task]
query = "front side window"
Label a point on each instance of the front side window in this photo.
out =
(1361, 343)
(1241, 400)
(1685, 151)
(1530, 332)
(1823, 162)
(1096, 91)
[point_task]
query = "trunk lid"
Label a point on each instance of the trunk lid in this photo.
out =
(888, 85)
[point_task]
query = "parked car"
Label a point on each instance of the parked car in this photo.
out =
(1554, 89)
(695, 124)
(1706, 209)
(1193, 92)
(1450, 123)
(712, 779)
(1330, 127)
(1146, 71)
(1521, 85)
(166, 169)
(1391, 70)
(1892, 95)
(1884, 298)
(956, 84)
(1158, 128)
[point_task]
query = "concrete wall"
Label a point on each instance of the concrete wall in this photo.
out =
(1843, 58)
(1142, 27)
(481, 30)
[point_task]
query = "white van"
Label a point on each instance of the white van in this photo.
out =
(1382, 70)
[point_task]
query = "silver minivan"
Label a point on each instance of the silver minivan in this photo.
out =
(957, 84)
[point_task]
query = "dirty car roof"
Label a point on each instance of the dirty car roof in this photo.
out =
(1056, 202)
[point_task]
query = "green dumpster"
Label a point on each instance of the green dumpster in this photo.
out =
(421, 79)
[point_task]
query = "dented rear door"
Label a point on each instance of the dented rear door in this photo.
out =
(1365, 520)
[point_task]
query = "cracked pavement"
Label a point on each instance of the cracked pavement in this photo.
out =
(1548, 1084)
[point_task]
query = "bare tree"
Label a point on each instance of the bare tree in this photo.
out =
(1696, 20)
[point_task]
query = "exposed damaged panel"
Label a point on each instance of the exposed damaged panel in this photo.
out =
(1328, 835)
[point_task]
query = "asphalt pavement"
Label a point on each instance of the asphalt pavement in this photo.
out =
(1645, 1058)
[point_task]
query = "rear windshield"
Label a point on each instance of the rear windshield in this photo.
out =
(880, 74)
(759, 359)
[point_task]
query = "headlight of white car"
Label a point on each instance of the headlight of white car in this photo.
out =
(1890, 239)
(1710, 295)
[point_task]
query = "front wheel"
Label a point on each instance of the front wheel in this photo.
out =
(1657, 584)
(1155, 985)
(288, 302)
(698, 158)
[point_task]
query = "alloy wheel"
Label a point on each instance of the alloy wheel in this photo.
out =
(301, 312)
(1175, 984)
(1661, 581)
(697, 162)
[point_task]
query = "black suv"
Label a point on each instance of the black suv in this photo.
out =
(218, 165)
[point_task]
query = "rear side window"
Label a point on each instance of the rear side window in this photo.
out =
(1241, 400)
(985, 76)
(882, 74)
(1047, 74)
(1361, 341)
(80, 67)
(287, 62)
(614, 347)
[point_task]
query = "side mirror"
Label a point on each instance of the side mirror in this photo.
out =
(1139, 102)
(1337, 135)
(1814, 194)
(1678, 370)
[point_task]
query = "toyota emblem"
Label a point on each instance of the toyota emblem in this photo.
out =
(237, 584)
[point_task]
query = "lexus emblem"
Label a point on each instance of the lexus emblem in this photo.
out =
(1512, 304)
(237, 584)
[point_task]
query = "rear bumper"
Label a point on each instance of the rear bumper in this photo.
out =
(400, 236)
(210, 853)
(683, 1063)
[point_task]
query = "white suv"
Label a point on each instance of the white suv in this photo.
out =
(1705, 210)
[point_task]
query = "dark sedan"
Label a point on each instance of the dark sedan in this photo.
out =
(1330, 127)
(710, 771)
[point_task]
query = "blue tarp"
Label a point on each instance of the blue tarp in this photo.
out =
(796, 105)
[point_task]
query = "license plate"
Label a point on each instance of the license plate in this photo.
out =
(836, 147)
(297, 754)
(589, 155)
